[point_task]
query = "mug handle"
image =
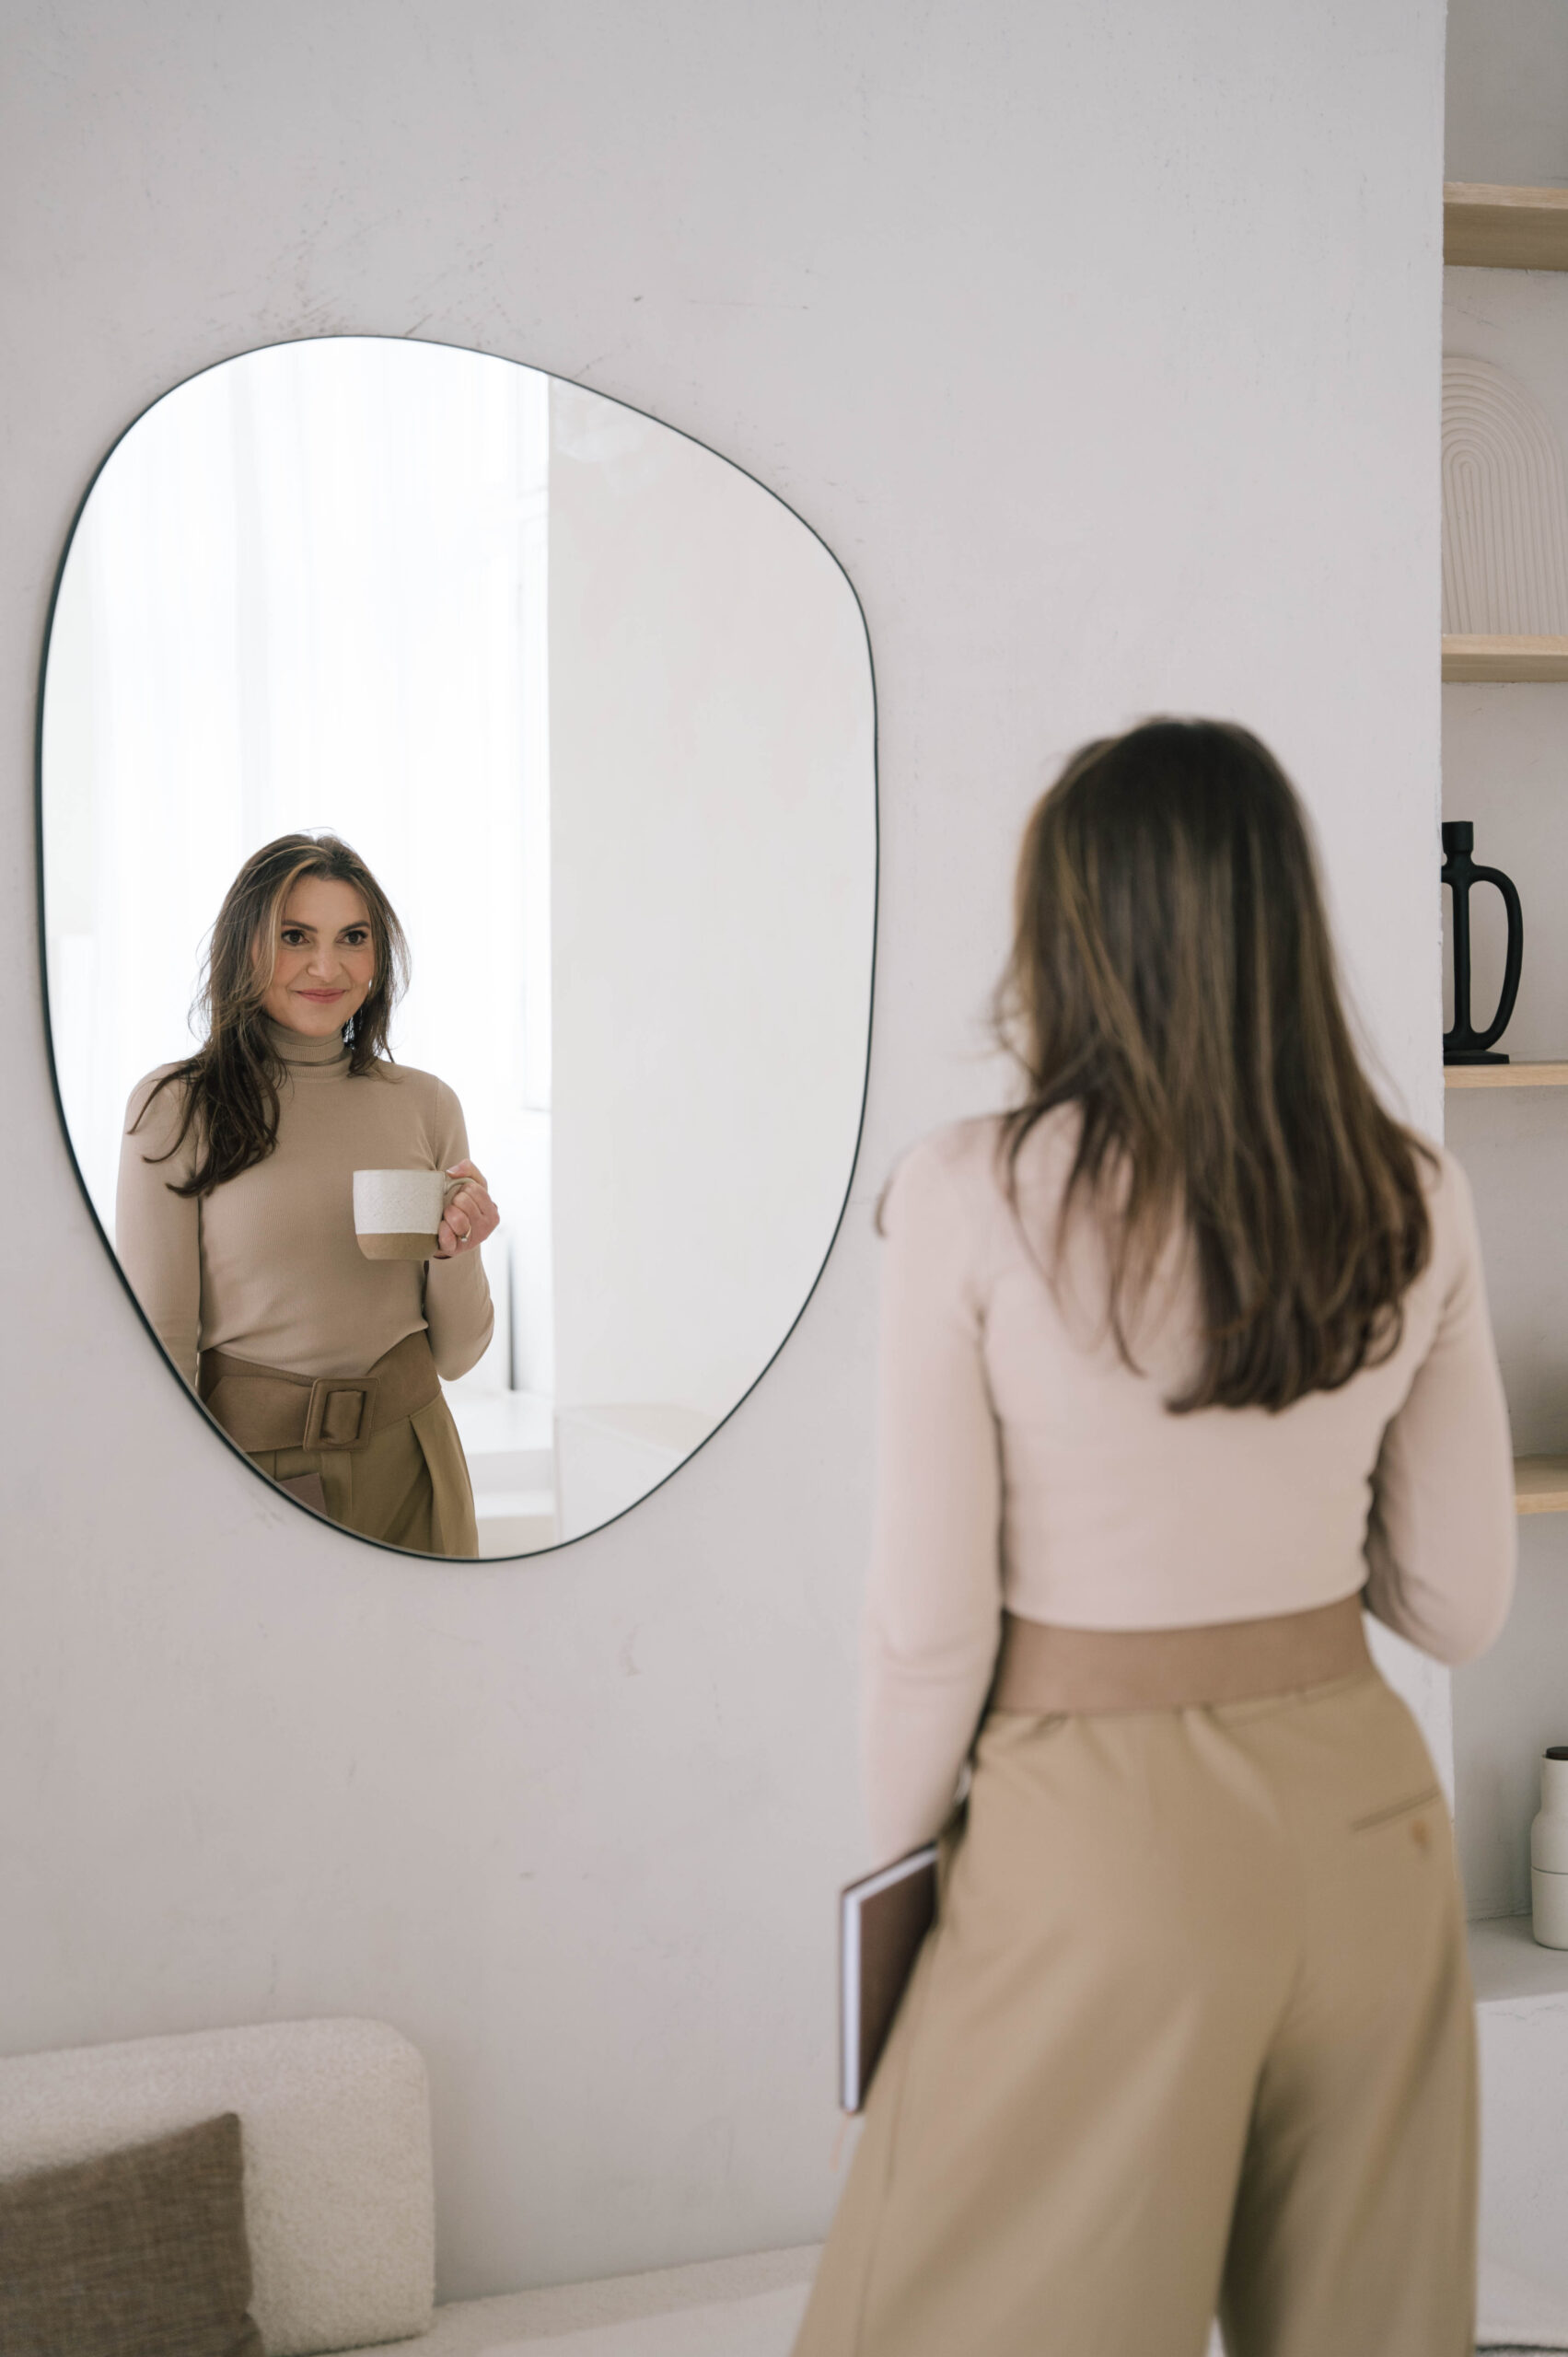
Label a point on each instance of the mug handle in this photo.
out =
(453, 1187)
(1513, 962)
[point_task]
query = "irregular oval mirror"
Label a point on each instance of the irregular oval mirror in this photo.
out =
(357, 636)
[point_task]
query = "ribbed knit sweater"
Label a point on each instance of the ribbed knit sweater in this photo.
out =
(268, 1266)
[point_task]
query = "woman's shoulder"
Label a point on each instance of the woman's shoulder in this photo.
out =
(1448, 1201)
(975, 1155)
(164, 1086)
(966, 1174)
(954, 1156)
(927, 1209)
(1435, 1167)
(160, 1132)
(428, 1086)
(150, 1080)
(431, 1101)
(952, 1204)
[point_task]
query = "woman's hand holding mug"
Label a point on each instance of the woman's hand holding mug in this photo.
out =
(470, 1215)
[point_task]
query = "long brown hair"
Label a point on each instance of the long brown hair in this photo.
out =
(1172, 975)
(228, 1089)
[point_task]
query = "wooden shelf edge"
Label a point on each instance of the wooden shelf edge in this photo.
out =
(1535, 1076)
(1540, 1485)
(1495, 661)
(1505, 228)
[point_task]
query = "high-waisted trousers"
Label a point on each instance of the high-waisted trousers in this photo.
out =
(387, 1461)
(1192, 2035)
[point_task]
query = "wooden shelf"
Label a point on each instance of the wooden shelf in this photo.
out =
(1493, 661)
(1505, 1075)
(1540, 1485)
(1505, 228)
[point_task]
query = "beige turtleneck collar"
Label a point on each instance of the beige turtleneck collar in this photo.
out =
(294, 1047)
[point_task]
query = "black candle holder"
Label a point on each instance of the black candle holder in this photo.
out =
(1464, 1044)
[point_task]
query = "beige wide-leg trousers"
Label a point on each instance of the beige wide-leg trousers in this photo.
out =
(1193, 2034)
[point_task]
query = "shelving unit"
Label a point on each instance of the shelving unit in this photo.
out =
(1493, 661)
(1505, 228)
(1522, 1989)
(1510, 228)
(1536, 1075)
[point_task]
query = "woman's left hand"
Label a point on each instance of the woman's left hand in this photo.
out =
(470, 1215)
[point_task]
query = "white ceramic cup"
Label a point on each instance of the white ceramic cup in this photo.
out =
(397, 1214)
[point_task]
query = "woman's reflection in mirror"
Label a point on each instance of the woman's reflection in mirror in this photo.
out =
(236, 1210)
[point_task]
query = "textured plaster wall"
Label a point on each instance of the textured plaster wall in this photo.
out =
(1101, 344)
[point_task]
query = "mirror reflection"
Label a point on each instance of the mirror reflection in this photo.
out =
(459, 819)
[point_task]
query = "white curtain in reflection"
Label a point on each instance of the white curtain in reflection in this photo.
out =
(310, 591)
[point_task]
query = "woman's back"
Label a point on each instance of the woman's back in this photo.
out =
(1115, 1513)
(1023, 1464)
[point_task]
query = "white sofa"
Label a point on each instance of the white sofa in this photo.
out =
(341, 2215)
(339, 2206)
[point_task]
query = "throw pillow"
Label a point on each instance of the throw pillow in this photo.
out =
(141, 2253)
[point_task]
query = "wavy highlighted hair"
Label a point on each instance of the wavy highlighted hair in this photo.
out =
(1172, 975)
(229, 1088)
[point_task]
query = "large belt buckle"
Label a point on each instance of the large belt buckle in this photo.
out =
(326, 1394)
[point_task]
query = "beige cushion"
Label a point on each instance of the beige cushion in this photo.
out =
(142, 2252)
(339, 2203)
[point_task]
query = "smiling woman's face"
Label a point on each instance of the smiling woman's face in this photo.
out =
(323, 959)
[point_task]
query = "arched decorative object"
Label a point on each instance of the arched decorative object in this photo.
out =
(1504, 508)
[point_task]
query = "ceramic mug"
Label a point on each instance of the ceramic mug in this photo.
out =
(397, 1214)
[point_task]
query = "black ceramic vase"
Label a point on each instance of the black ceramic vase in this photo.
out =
(1464, 1044)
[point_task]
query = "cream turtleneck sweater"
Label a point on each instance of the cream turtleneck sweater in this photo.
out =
(267, 1266)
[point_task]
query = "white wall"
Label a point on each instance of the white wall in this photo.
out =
(714, 855)
(1504, 767)
(1507, 93)
(1101, 344)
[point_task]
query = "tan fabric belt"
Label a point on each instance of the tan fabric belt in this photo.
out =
(264, 1407)
(1044, 1669)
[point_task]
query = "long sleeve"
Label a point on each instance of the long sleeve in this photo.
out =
(934, 1598)
(457, 1308)
(1442, 1535)
(157, 1235)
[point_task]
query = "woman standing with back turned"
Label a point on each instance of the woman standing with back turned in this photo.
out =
(1184, 1362)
